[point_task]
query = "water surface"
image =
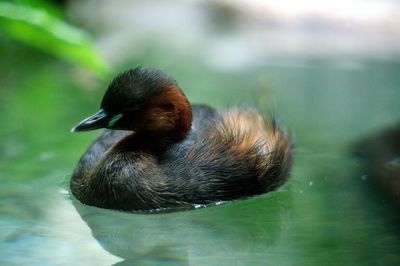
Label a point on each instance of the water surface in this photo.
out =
(329, 213)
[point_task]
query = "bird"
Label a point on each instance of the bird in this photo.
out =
(158, 152)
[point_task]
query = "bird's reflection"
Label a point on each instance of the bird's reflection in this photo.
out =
(240, 230)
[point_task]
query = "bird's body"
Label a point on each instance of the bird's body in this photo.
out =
(172, 156)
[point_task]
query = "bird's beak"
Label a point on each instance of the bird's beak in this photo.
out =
(101, 119)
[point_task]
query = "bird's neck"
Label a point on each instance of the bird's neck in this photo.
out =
(167, 117)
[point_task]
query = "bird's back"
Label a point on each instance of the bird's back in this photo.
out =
(231, 154)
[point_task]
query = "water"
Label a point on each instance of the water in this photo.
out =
(329, 213)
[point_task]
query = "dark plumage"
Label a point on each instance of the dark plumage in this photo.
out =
(132, 88)
(171, 154)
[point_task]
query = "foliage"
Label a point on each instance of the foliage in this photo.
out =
(43, 29)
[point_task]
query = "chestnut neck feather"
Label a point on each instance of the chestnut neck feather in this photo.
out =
(182, 110)
(166, 119)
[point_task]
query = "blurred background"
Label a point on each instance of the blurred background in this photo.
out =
(330, 70)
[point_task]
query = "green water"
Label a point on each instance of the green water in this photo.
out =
(327, 214)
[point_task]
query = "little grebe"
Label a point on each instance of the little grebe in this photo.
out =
(158, 151)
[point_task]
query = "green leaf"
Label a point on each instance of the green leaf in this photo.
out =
(38, 28)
